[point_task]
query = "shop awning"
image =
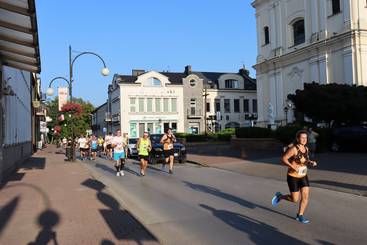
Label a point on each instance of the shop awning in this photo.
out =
(19, 47)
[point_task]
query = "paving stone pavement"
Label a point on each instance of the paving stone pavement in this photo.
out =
(49, 200)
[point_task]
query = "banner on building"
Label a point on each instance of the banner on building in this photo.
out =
(63, 96)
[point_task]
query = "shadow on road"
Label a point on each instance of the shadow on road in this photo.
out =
(230, 197)
(258, 232)
(7, 211)
(47, 220)
(362, 188)
(121, 223)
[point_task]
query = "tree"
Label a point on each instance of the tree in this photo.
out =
(77, 117)
(332, 102)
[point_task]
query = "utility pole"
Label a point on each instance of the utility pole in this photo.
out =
(205, 119)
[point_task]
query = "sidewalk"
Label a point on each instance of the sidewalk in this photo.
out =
(345, 172)
(48, 199)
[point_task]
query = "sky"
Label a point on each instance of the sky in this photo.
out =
(209, 35)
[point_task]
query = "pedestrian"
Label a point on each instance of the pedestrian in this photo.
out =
(312, 139)
(100, 145)
(119, 153)
(83, 146)
(296, 159)
(144, 146)
(126, 143)
(168, 149)
(93, 147)
(108, 140)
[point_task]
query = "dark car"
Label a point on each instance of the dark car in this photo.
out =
(349, 138)
(157, 155)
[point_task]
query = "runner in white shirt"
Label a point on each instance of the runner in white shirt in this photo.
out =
(108, 140)
(119, 153)
(83, 146)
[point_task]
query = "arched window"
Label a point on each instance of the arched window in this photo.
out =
(231, 83)
(152, 82)
(266, 35)
(299, 32)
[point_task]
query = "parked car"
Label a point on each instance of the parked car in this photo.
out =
(157, 155)
(132, 151)
(348, 138)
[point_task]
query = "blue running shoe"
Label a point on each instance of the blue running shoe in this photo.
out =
(276, 199)
(302, 219)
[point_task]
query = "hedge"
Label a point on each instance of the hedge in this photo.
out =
(253, 132)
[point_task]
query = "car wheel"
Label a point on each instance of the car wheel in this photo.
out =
(182, 160)
(152, 159)
(335, 147)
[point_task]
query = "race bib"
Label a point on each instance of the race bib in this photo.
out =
(170, 146)
(302, 170)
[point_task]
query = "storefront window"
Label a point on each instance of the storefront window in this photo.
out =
(133, 130)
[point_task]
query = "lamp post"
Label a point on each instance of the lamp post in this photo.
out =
(70, 81)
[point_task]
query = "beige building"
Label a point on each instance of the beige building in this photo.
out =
(301, 41)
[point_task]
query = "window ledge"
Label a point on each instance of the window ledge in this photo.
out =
(335, 14)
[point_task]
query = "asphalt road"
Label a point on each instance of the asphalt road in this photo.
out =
(203, 205)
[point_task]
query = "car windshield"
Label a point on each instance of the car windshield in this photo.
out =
(133, 141)
(156, 138)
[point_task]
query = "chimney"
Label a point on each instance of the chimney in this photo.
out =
(188, 70)
(136, 73)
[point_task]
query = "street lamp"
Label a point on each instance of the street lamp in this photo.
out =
(50, 90)
(287, 108)
(104, 71)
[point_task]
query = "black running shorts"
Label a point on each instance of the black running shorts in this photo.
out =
(145, 158)
(168, 153)
(295, 184)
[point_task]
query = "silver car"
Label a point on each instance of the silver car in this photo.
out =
(132, 151)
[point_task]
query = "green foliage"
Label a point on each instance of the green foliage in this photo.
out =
(332, 102)
(224, 135)
(286, 134)
(79, 124)
(253, 132)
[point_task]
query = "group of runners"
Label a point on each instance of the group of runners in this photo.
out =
(296, 158)
(116, 147)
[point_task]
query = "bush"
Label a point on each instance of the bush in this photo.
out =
(286, 134)
(253, 132)
(224, 135)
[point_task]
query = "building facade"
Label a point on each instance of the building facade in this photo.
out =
(304, 41)
(189, 101)
(99, 122)
(19, 86)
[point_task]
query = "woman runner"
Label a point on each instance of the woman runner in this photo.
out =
(167, 140)
(119, 153)
(296, 159)
(94, 146)
(144, 146)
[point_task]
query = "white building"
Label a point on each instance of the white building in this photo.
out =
(153, 101)
(301, 41)
(150, 102)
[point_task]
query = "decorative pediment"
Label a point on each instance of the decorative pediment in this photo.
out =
(295, 71)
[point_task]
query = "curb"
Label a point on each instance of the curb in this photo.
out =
(198, 163)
